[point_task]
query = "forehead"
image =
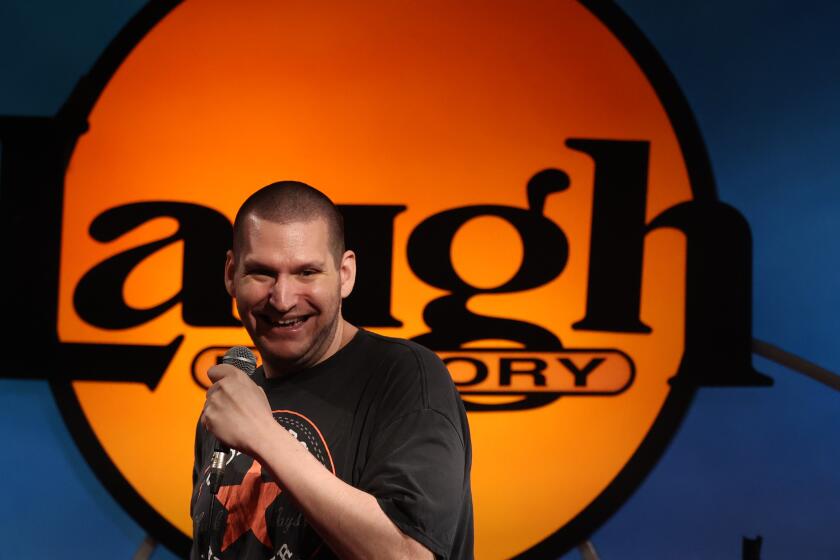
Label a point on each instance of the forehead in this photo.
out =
(300, 239)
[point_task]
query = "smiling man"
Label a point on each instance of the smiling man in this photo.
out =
(347, 444)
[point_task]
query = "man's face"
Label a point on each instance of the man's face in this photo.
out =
(288, 290)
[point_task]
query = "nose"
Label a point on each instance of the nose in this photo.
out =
(283, 296)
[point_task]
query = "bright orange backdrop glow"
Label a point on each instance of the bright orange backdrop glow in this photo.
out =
(432, 105)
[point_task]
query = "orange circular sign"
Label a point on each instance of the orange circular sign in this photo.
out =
(499, 164)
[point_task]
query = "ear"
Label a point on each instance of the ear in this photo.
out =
(230, 271)
(347, 272)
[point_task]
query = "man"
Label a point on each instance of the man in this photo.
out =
(346, 443)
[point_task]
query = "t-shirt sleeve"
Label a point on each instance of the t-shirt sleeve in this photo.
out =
(419, 474)
(196, 455)
(202, 449)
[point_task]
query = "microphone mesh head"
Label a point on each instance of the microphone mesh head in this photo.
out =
(241, 358)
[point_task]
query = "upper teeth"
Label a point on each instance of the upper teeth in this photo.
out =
(287, 322)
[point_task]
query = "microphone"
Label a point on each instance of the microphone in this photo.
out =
(242, 359)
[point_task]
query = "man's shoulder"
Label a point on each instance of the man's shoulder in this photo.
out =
(402, 351)
(412, 368)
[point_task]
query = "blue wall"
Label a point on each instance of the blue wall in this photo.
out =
(762, 78)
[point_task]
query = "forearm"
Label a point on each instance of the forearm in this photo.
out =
(349, 520)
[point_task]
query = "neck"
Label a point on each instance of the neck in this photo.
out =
(344, 333)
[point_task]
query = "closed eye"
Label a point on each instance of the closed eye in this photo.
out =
(258, 271)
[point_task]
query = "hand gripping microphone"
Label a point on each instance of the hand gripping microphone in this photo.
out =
(243, 359)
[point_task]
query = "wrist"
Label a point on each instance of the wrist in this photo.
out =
(262, 437)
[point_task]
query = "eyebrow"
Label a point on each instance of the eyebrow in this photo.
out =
(252, 262)
(320, 265)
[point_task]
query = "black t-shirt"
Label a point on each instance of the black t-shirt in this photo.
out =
(383, 415)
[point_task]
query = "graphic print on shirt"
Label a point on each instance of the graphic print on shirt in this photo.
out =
(252, 516)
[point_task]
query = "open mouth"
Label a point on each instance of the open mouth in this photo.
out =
(285, 323)
(289, 323)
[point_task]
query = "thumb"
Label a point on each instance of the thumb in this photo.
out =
(219, 372)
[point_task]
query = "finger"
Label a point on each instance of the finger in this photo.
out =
(221, 371)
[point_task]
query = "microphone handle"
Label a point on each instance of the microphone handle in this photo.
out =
(242, 359)
(217, 466)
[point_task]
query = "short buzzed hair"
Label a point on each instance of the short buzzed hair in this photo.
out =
(292, 201)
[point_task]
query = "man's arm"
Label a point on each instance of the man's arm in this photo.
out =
(349, 520)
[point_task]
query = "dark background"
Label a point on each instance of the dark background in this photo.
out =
(763, 79)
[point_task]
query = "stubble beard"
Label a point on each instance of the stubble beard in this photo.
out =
(278, 366)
